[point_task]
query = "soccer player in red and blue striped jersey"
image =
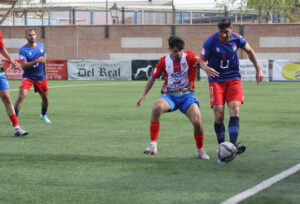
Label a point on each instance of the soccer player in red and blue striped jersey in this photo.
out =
(220, 62)
(177, 93)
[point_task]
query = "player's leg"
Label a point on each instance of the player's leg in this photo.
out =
(189, 105)
(45, 103)
(234, 121)
(24, 87)
(193, 113)
(6, 99)
(234, 99)
(219, 126)
(42, 88)
(217, 102)
(21, 97)
(160, 106)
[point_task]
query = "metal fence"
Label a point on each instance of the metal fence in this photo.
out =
(79, 16)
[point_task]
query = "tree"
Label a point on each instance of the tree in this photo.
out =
(286, 8)
(275, 7)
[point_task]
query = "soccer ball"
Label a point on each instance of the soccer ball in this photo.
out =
(226, 151)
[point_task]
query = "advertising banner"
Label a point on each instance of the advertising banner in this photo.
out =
(11, 72)
(286, 70)
(99, 70)
(141, 69)
(247, 70)
(56, 70)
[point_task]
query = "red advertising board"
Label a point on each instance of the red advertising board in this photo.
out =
(11, 72)
(56, 70)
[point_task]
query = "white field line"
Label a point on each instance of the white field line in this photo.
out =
(80, 85)
(261, 186)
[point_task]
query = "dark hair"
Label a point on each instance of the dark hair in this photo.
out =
(175, 41)
(224, 23)
(28, 30)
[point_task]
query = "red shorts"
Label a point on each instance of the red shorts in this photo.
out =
(39, 86)
(228, 91)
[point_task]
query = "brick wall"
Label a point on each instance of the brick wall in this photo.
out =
(89, 42)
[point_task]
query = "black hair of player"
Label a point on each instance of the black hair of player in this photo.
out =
(176, 41)
(224, 23)
(28, 30)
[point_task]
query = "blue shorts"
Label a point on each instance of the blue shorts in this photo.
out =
(180, 101)
(3, 82)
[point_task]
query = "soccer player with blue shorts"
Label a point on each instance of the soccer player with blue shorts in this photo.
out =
(177, 93)
(32, 59)
(220, 62)
(4, 92)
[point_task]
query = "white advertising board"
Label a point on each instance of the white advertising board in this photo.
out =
(247, 70)
(99, 70)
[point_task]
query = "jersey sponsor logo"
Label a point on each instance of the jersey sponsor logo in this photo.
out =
(41, 50)
(176, 75)
(30, 53)
(234, 47)
(177, 67)
(174, 86)
(22, 57)
(225, 56)
(177, 82)
(218, 49)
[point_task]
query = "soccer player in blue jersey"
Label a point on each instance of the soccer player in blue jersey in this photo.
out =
(220, 62)
(4, 92)
(33, 61)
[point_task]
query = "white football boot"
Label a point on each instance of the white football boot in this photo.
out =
(151, 149)
(202, 155)
(20, 132)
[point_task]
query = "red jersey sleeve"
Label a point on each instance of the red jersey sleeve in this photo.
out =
(159, 68)
(192, 59)
(1, 42)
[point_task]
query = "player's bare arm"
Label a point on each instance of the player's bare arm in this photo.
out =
(28, 65)
(8, 57)
(148, 86)
(252, 56)
(211, 72)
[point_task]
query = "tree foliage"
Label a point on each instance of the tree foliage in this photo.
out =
(281, 8)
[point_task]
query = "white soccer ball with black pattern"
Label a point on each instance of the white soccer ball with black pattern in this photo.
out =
(226, 151)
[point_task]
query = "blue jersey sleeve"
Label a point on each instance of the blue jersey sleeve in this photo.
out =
(206, 50)
(242, 42)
